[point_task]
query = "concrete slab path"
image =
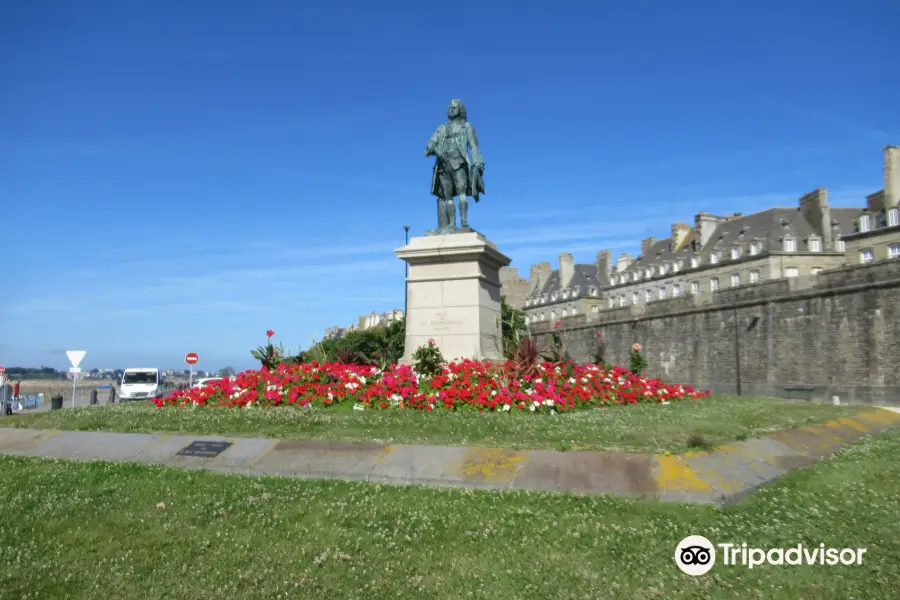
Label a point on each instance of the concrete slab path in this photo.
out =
(719, 476)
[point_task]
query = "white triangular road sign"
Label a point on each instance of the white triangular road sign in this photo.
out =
(75, 356)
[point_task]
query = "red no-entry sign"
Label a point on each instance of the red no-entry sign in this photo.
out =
(191, 358)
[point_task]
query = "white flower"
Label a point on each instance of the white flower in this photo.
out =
(532, 407)
(506, 407)
(549, 402)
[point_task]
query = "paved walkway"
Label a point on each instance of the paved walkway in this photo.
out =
(723, 475)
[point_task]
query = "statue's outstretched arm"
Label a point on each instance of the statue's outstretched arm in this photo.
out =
(477, 158)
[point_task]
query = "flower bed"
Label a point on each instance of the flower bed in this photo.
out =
(464, 385)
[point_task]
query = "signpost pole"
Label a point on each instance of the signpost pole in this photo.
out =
(191, 377)
(75, 357)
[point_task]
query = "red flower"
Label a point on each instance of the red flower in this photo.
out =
(558, 324)
(270, 333)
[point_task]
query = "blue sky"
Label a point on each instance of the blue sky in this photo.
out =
(182, 176)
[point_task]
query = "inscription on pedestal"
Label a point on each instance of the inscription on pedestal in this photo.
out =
(441, 323)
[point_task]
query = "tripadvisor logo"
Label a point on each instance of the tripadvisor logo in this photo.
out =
(695, 555)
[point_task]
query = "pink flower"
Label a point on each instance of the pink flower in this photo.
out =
(270, 333)
(636, 347)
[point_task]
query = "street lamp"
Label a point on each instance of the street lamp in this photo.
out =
(405, 277)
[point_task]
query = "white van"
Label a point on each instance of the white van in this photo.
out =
(141, 384)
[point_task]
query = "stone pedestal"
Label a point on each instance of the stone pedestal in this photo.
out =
(453, 295)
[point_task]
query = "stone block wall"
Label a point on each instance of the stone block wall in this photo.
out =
(840, 336)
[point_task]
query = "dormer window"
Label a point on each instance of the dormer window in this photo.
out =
(735, 253)
(893, 217)
(754, 248)
(613, 280)
(695, 262)
(648, 272)
(554, 296)
(592, 291)
(864, 223)
(635, 276)
(840, 245)
(677, 266)
(815, 244)
(713, 258)
(576, 290)
(789, 244)
(528, 302)
(663, 269)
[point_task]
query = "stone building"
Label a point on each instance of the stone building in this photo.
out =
(370, 321)
(721, 252)
(512, 287)
(876, 230)
(568, 291)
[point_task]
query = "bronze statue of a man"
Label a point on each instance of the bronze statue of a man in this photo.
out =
(455, 174)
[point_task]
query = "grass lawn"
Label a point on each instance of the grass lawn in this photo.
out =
(639, 428)
(104, 530)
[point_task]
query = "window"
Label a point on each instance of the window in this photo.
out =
(894, 251)
(622, 300)
(613, 280)
(635, 276)
(677, 266)
(648, 296)
(714, 284)
(791, 272)
(789, 244)
(573, 310)
(695, 262)
(676, 290)
(552, 315)
(893, 217)
(565, 294)
(735, 253)
(554, 297)
(755, 248)
(866, 255)
(635, 298)
(864, 223)
(648, 273)
(611, 302)
(815, 270)
(662, 292)
(576, 291)
(695, 287)
(815, 245)
(663, 269)
(754, 276)
(543, 315)
(528, 302)
(735, 280)
(714, 258)
(592, 291)
(565, 313)
(839, 245)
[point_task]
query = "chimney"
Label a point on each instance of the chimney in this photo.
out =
(680, 234)
(875, 202)
(891, 176)
(604, 267)
(538, 275)
(566, 269)
(508, 274)
(704, 227)
(645, 245)
(814, 208)
(623, 262)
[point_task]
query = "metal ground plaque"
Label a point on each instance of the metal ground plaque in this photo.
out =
(204, 449)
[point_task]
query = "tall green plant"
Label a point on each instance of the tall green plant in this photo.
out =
(269, 356)
(637, 364)
(513, 327)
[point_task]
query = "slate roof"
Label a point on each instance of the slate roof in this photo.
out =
(768, 228)
(584, 276)
(877, 220)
